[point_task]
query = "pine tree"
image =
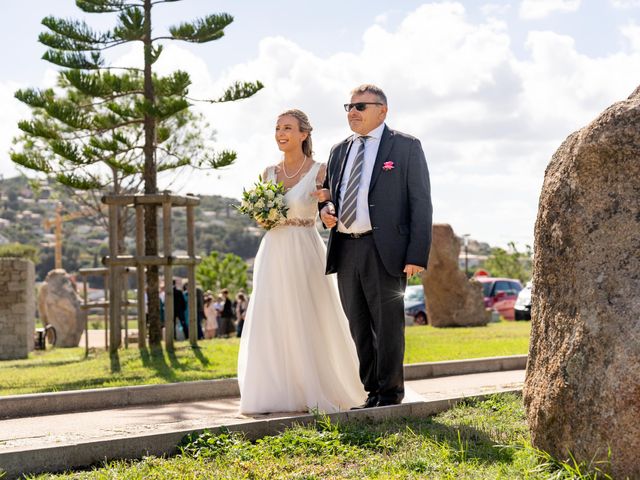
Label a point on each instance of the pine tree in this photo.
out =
(124, 111)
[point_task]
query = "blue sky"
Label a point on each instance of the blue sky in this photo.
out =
(490, 88)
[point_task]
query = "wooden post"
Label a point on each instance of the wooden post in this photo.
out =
(142, 299)
(105, 284)
(58, 247)
(115, 293)
(169, 314)
(125, 300)
(191, 274)
(86, 318)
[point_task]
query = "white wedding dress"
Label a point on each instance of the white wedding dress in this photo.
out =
(296, 352)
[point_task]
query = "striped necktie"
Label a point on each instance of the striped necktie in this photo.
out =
(350, 199)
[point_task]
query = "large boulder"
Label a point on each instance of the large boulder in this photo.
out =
(60, 305)
(582, 389)
(452, 299)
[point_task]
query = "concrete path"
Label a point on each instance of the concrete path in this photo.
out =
(60, 441)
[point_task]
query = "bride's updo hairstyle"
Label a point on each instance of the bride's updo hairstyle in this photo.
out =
(304, 126)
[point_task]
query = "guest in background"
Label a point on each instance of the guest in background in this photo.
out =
(218, 305)
(210, 314)
(241, 310)
(200, 311)
(180, 309)
(226, 315)
(199, 307)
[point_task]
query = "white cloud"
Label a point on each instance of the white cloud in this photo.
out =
(535, 9)
(495, 9)
(488, 120)
(631, 32)
(625, 3)
(382, 19)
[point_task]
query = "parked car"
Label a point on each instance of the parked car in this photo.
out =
(415, 310)
(523, 303)
(500, 294)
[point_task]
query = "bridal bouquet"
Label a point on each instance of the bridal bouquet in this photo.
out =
(264, 203)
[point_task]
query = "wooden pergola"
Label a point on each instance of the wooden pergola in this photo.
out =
(116, 262)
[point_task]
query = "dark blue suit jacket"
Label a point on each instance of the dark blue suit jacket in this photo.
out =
(399, 202)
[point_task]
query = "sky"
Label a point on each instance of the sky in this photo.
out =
(491, 89)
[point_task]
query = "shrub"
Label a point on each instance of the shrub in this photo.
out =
(16, 250)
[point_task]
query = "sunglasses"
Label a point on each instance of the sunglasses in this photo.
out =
(360, 106)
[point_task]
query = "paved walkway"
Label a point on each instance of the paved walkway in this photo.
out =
(44, 431)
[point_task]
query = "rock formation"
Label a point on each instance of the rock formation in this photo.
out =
(60, 305)
(452, 300)
(582, 390)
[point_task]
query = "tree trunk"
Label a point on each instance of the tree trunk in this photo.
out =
(150, 186)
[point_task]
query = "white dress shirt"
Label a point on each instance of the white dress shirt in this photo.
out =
(362, 223)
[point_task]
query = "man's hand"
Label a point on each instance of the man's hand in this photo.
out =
(412, 270)
(328, 215)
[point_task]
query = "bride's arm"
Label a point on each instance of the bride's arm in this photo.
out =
(322, 194)
(325, 205)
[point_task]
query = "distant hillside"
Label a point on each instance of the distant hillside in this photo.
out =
(25, 206)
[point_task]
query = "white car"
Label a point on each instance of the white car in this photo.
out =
(523, 303)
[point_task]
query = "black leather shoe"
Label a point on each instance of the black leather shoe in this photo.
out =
(385, 402)
(370, 402)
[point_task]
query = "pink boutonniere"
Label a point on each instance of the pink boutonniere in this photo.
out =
(388, 166)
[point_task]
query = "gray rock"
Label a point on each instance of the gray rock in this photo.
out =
(452, 299)
(60, 305)
(582, 390)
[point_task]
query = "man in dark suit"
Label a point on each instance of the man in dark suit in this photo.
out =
(380, 220)
(180, 309)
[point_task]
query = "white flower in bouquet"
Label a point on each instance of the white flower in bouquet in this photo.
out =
(264, 203)
(274, 215)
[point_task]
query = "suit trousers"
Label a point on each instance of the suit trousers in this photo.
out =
(373, 301)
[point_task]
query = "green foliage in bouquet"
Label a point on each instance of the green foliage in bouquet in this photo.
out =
(264, 203)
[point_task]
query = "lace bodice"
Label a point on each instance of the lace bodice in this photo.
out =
(303, 208)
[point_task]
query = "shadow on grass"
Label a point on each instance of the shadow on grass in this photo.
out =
(156, 360)
(98, 382)
(464, 443)
(38, 363)
(200, 356)
(424, 447)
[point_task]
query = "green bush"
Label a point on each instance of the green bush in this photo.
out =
(15, 250)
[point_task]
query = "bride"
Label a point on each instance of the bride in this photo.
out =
(296, 352)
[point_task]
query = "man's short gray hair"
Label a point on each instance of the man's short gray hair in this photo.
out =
(369, 88)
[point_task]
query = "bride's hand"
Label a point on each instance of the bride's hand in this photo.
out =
(322, 195)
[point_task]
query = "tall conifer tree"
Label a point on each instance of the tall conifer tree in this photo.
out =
(108, 114)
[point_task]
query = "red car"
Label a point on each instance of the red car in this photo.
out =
(500, 294)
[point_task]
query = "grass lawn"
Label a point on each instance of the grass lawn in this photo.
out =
(67, 369)
(476, 440)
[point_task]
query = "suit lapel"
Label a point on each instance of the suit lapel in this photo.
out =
(341, 162)
(386, 142)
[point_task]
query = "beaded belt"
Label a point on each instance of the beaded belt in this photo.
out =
(297, 222)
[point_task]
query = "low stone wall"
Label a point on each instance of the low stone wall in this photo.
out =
(17, 307)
